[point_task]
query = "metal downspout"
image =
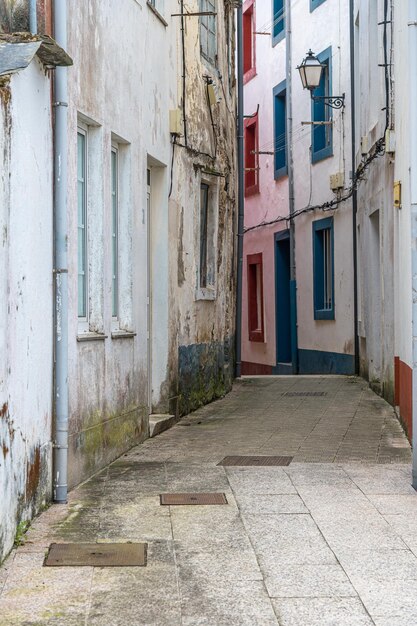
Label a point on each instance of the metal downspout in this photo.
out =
(61, 272)
(412, 54)
(241, 206)
(354, 195)
(33, 17)
(291, 196)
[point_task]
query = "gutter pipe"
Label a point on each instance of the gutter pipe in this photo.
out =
(412, 44)
(241, 206)
(291, 195)
(355, 194)
(60, 104)
(33, 17)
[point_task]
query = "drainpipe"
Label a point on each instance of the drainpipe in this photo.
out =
(354, 195)
(412, 54)
(60, 271)
(33, 17)
(291, 196)
(241, 206)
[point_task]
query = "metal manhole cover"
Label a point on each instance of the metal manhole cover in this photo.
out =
(259, 461)
(192, 498)
(302, 394)
(96, 555)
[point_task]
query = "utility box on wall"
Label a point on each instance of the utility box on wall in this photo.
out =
(397, 194)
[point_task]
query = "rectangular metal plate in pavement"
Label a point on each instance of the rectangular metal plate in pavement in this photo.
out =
(302, 394)
(96, 555)
(192, 498)
(259, 461)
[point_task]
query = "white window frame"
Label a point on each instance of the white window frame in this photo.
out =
(83, 321)
(115, 269)
(204, 22)
(208, 292)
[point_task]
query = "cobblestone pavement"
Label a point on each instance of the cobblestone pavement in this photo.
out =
(330, 540)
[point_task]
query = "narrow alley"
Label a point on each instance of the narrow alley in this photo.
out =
(329, 539)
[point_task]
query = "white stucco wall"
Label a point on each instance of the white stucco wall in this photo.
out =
(26, 298)
(120, 88)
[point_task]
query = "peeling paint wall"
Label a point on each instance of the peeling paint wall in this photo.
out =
(202, 322)
(25, 298)
(119, 88)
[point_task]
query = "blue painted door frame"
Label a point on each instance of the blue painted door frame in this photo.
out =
(285, 307)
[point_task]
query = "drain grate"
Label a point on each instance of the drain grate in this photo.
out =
(259, 461)
(96, 555)
(192, 498)
(302, 394)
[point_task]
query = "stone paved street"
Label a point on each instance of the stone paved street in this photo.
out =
(330, 540)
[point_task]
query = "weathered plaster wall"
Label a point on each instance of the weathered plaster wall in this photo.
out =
(384, 263)
(25, 299)
(202, 330)
(327, 25)
(120, 88)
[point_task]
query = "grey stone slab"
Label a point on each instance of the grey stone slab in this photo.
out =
(208, 524)
(265, 480)
(321, 612)
(270, 504)
(359, 533)
(379, 564)
(393, 504)
(309, 581)
(291, 539)
(200, 478)
(381, 479)
(217, 561)
(388, 597)
(241, 603)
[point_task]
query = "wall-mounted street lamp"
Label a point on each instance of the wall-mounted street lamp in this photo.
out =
(310, 72)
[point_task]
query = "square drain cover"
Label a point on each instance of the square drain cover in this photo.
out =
(192, 498)
(259, 461)
(304, 394)
(96, 554)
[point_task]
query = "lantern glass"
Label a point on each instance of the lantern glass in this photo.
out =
(310, 71)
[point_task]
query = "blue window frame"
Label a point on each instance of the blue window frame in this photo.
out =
(322, 136)
(314, 4)
(323, 269)
(280, 130)
(278, 21)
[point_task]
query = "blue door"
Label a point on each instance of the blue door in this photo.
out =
(283, 302)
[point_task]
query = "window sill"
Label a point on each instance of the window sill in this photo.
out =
(157, 14)
(257, 336)
(247, 76)
(252, 191)
(206, 293)
(277, 38)
(91, 337)
(320, 155)
(122, 334)
(321, 314)
(281, 173)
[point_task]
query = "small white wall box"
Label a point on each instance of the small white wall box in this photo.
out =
(337, 181)
(364, 145)
(175, 122)
(389, 141)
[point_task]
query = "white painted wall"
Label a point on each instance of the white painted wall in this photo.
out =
(25, 298)
(121, 86)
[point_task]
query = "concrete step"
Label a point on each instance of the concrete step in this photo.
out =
(158, 422)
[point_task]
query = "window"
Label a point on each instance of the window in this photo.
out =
(251, 156)
(278, 21)
(82, 223)
(314, 4)
(323, 269)
(207, 240)
(280, 131)
(249, 69)
(255, 298)
(208, 43)
(115, 230)
(322, 136)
